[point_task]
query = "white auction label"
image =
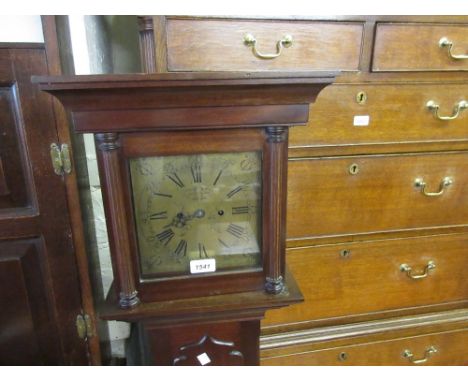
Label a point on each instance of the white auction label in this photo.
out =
(202, 266)
(361, 120)
(203, 359)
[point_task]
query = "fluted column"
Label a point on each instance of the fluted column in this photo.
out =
(274, 207)
(116, 217)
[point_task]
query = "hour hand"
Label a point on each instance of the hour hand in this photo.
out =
(178, 221)
(198, 214)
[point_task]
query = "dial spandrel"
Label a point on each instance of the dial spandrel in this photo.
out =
(193, 207)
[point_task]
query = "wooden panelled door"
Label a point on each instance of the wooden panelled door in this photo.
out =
(39, 285)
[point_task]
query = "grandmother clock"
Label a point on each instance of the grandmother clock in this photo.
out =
(193, 170)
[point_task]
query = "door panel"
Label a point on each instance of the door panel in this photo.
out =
(13, 191)
(39, 285)
(23, 286)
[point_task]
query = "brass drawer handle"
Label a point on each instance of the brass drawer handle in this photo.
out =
(444, 42)
(459, 107)
(286, 42)
(428, 353)
(420, 183)
(406, 268)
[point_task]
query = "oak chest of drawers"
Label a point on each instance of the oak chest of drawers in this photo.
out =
(378, 181)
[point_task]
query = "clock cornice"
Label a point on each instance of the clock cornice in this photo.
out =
(120, 103)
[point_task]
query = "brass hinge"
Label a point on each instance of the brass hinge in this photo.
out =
(84, 326)
(60, 156)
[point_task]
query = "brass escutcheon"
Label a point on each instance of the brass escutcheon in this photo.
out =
(361, 97)
(343, 356)
(354, 169)
(345, 253)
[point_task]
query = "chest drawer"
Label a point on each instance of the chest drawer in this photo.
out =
(418, 47)
(217, 44)
(444, 349)
(376, 193)
(391, 113)
(359, 278)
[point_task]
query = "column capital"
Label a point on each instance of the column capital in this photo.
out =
(107, 141)
(277, 134)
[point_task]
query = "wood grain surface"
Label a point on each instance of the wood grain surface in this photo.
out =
(415, 47)
(333, 277)
(450, 346)
(211, 45)
(397, 115)
(325, 199)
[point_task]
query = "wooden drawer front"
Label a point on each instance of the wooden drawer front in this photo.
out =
(365, 277)
(412, 47)
(198, 45)
(396, 112)
(325, 199)
(450, 350)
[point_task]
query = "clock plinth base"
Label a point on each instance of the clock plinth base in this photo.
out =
(203, 344)
(179, 332)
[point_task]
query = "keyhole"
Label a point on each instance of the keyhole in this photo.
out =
(353, 169)
(361, 98)
(343, 356)
(345, 253)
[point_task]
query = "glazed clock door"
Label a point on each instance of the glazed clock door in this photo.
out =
(194, 208)
(39, 287)
(197, 213)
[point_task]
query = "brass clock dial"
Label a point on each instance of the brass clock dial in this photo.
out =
(195, 207)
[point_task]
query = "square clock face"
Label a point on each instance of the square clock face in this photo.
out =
(197, 213)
